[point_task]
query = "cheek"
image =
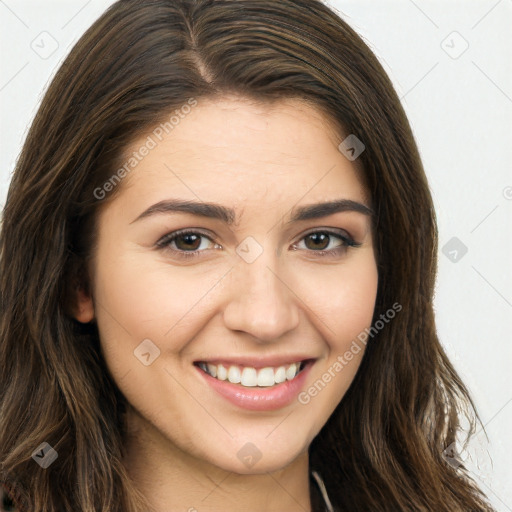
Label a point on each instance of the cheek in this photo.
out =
(353, 305)
(139, 300)
(344, 304)
(147, 298)
(344, 299)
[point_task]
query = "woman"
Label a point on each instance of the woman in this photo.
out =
(254, 370)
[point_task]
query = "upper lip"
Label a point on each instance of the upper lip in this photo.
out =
(257, 362)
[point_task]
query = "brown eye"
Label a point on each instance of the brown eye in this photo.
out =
(318, 240)
(188, 241)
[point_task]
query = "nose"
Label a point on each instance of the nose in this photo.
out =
(261, 302)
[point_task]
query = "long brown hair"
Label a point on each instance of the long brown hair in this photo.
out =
(382, 448)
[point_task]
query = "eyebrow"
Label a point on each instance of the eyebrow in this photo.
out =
(228, 215)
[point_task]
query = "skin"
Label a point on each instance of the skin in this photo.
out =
(263, 161)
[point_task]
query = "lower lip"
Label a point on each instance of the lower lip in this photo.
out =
(256, 398)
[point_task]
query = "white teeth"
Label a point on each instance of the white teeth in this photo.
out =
(291, 371)
(222, 373)
(250, 377)
(234, 374)
(280, 375)
(212, 370)
(266, 377)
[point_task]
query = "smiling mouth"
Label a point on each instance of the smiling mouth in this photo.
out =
(247, 376)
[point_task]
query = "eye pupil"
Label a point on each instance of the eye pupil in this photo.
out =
(190, 237)
(319, 237)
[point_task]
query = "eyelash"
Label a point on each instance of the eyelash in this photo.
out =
(166, 240)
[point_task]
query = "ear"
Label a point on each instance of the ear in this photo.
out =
(83, 309)
(77, 299)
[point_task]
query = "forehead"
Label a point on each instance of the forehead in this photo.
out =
(238, 149)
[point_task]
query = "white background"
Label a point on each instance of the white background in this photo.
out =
(459, 103)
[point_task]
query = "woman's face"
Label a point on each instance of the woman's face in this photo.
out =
(246, 295)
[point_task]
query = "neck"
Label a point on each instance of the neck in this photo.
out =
(172, 479)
